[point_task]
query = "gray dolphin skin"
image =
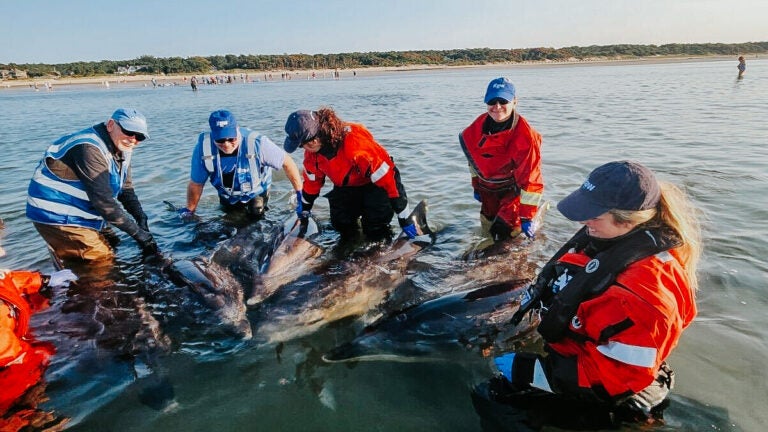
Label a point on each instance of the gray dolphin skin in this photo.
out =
(218, 289)
(475, 320)
(357, 290)
(295, 255)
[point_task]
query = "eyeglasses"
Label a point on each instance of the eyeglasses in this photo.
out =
(225, 140)
(138, 135)
(498, 101)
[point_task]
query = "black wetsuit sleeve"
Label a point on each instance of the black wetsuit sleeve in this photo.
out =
(131, 202)
(92, 169)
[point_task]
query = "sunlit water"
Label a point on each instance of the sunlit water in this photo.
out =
(693, 123)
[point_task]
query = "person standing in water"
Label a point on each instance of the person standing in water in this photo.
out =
(742, 66)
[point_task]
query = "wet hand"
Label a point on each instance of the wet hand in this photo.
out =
(529, 228)
(185, 214)
(409, 228)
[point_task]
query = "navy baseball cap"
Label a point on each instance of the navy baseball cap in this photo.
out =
(621, 185)
(500, 88)
(301, 126)
(223, 125)
(131, 120)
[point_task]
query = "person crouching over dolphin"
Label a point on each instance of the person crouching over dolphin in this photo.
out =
(23, 360)
(614, 300)
(366, 182)
(239, 163)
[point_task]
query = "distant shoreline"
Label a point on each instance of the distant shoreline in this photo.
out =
(329, 74)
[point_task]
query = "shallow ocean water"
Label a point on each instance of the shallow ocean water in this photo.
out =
(693, 122)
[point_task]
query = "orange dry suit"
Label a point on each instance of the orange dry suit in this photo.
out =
(22, 359)
(613, 312)
(361, 170)
(506, 169)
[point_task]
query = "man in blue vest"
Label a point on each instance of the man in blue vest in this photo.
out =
(83, 185)
(239, 163)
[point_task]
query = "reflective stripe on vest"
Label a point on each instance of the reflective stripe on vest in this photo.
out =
(55, 201)
(259, 177)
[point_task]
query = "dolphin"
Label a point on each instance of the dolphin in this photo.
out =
(472, 320)
(357, 289)
(295, 255)
(218, 289)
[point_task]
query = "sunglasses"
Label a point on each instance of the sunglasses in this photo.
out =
(498, 101)
(138, 135)
(225, 140)
(307, 141)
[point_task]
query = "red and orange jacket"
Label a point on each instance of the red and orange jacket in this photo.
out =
(360, 160)
(621, 337)
(507, 160)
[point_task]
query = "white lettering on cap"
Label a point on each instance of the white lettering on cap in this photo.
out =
(498, 86)
(222, 123)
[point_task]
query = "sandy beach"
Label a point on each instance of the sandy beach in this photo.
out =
(42, 84)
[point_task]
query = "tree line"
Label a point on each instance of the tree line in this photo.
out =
(151, 65)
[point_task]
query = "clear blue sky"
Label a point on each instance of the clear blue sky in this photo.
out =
(63, 31)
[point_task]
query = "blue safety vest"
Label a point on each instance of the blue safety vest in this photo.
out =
(56, 201)
(251, 177)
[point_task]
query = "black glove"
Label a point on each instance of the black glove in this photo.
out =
(500, 230)
(398, 204)
(146, 243)
(142, 223)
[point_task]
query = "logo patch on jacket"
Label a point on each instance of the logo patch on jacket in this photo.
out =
(592, 266)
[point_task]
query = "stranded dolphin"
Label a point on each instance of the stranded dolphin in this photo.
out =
(295, 256)
(358, 288)
(474, 320)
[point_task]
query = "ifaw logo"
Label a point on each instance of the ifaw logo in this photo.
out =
(588, 186)
(222, 123)
(499, 85)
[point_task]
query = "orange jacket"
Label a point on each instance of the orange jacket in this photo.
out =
(360, 160)
(22, 360)
(510, 159)
(628, 330)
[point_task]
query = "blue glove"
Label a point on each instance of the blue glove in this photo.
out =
(299, 204)
(61, 278)
(409, 228)
(504, 365)
(477, 197)
(185, 214)
(529, 228)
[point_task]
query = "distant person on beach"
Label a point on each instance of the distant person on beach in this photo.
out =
(366, 181)
(742, 66)
(193, 83)
(238, 162)
(23, 359)
(83, 185)
(504, 154)
(613, 303)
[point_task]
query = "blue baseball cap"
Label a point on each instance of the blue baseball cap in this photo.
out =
(301, 126)
(223, 125)
(622, 185)
(500, 88)
(131, 120)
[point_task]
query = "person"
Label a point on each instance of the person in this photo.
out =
(504, 155)
(239, 163)
(74, 192)
(615, 299)
(193, 83)
(366, 182)
(23, 359)
(742, 66)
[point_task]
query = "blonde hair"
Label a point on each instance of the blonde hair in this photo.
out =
(674, 211)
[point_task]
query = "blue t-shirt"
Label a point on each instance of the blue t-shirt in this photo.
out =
(269, 153)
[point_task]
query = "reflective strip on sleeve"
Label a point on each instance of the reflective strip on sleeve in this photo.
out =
(540, 378)
(629, 354)
(380, 172)
(530, 198)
